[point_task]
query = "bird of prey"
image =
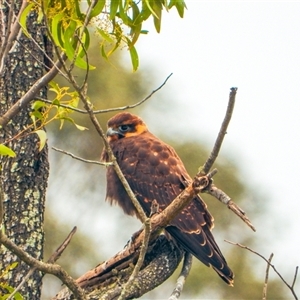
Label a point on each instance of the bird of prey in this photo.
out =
(155, 172)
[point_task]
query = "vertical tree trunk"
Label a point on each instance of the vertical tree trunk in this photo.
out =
(24, 178)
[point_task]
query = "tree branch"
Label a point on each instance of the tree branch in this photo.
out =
(291, 287)
(225, 199)
(101, 111)
(53, 258)
(186, 267)
(95, 162)
(264, 297)
(48, 268)
(223, 130)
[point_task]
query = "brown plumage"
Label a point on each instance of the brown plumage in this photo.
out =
(155, 172)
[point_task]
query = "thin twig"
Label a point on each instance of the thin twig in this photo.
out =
(58, 252)
(291, 287)
(295, 277)
(186, 267)
(1, 200)
(264, 297)
(223, 130)
(53, 258)
(139, 263)
(95, 162)
(101, 111)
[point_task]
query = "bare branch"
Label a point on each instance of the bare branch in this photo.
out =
(223, 130)
(225, 199)
(186, 267)
(53, 258)
(95, 162)
(136, 104)
(138, 265)
(264, 297)
(101, 111)
(291, 287)
(295, 277)
(58, 252)
(53, 269)
(1, 200)
(13, 30)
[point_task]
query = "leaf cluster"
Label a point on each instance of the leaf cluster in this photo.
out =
(118, 23)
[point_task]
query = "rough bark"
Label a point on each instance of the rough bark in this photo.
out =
(24, 178)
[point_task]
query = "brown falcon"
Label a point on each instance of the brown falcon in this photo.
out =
(155, 172)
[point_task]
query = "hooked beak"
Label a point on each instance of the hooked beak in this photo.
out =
(110, 132)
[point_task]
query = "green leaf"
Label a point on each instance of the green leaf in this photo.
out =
(180, 6)
(103, 53)
(43, 138)
(144, 14)
(150, 8)
(82, 128)
(73, 122)
(4, 150)
(36, 105)
(134, 57)
(135, 11)
(114, 4)
(157, 7)
(97, 9)
(57, 29)
(69, 47)
(23, 18)
(123, 14)
(86, 43)
(106, 36)
(36, 115)
(135, 33)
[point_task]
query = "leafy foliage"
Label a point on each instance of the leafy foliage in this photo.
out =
(118, 22)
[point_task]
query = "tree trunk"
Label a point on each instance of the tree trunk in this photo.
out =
(24, 178)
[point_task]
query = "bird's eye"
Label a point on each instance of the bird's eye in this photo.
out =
(124, 128)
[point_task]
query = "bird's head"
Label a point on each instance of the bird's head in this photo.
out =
(124, 125)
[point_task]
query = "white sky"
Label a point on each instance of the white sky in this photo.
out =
(254, 46)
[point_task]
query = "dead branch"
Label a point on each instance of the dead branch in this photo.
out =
(48, 268)
(53, 258)
(264, 297)
(223, 130)
(140, 261)
(225, 199)
(186, 267)
(291, 287)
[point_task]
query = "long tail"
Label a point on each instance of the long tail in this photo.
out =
(203, 246)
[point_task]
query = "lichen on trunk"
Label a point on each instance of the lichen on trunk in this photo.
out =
(24, 177)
